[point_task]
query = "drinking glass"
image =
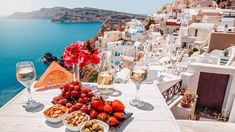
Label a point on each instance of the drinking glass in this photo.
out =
(138, 75)
(107, 72)
(26, 75)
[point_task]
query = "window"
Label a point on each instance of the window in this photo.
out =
(196, 32)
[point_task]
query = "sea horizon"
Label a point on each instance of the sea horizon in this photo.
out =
(29, 40)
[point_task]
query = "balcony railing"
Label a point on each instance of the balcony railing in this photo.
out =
(172, 93)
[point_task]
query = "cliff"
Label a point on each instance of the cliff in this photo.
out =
(60, 14)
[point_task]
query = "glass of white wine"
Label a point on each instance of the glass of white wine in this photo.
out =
(138, 75)
(26, 75)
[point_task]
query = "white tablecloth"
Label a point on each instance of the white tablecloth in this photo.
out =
(154, 117)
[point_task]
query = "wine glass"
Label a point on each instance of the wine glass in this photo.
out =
(138, 75)
(26, 75)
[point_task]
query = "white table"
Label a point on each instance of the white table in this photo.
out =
(13, 117)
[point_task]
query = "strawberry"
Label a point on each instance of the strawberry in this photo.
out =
(119, 115)
(113, 121)
(108, 108)
(93, 114)
(102, 116)
(118, 106)
(97, 104)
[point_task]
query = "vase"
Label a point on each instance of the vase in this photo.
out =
(76, 72)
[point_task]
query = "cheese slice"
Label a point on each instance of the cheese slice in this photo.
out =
(55, 75)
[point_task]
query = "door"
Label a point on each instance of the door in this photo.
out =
(211, 90)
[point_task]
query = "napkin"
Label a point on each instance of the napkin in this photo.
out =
(55, 75)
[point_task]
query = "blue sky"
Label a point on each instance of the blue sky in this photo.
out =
(132, 6)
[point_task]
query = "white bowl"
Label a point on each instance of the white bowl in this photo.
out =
(103, 124)
(74, 128)
(55, 120)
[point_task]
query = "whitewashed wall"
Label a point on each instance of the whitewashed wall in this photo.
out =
(192, 83)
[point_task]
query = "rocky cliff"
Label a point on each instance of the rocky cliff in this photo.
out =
(60, 14)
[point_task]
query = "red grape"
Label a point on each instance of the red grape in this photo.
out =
(68, 105)
(85, 100)
(67, 95)
(85, 90)
(89, 107)
(56, 99)
(80, 100)
(71, 88)
(78, 105)
(61, 102)
(83, 95)
(65, 101)
(74, 94)
(71, 109)
(90, 94)
(61, 96)
(84, 109)
(61, 87)
(77, 88)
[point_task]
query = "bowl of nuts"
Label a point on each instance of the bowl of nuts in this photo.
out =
(95, 126)
(55, 113)
(75, 120)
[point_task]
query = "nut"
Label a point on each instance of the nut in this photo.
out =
(55, 111)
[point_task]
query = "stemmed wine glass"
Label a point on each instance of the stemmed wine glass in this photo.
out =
(26, 75)
(138, 75)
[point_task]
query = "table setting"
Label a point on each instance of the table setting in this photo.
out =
(120, 100)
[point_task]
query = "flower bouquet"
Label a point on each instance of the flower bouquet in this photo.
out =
(80, 54)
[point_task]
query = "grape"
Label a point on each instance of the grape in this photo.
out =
(61, 102)
(77, 88)
(71, 109)
(85, 100)
(68, 105)
(56, 99)
(74, 94)
(85, 90)
(84, 109)
(90, 94)
(80, 100)
(66, 86)
(61, 96)
(71, 88)
(65, 101)
(67, 94)
(61, 87)
(83, 95)
(78, 105)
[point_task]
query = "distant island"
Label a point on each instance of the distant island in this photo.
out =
(86, 14)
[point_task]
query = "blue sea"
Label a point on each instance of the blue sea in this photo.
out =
(29, 40)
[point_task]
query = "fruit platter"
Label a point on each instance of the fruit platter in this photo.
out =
(82, 106)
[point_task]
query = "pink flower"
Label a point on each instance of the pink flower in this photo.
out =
(81, 53)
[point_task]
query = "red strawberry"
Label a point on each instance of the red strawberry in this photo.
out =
(102, 116)
(113, 121)
(93, 114)
(117, 106)
(119, 115)
(97, 104)
(108, 108)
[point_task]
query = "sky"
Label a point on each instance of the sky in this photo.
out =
(146, 7)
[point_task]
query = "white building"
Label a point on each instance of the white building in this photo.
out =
(134, 29)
